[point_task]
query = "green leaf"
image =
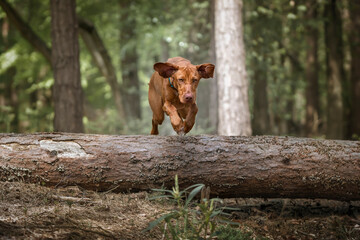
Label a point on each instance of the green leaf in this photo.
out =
(193, 186)
(159, 220)
(231, 208)
(193, 193)
(216, 213)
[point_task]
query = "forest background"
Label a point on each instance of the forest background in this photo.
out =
(302, 62)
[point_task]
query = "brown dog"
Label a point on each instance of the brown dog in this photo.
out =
(172, 89)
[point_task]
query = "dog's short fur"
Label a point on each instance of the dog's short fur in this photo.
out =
(172, 89)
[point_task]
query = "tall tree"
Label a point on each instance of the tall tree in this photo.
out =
(312, 89)
(354, 7)
(261, 118)
(129, 60)
(234, 114)
(213, 88)
(334, 48)
(67, 91)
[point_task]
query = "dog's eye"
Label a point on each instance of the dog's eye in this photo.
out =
(194, 80)
(181, 80)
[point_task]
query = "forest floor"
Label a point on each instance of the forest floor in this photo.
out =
(29, 211)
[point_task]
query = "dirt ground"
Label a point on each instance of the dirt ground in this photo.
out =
(29, 211)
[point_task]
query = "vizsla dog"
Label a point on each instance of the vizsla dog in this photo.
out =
(172, 89)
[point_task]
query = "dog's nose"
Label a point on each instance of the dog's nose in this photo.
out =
(188, 97)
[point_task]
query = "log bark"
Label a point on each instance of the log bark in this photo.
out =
(265, 166)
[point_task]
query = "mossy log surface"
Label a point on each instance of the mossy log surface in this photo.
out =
(265, 166)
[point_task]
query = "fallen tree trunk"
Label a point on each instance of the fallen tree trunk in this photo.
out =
(264, 166)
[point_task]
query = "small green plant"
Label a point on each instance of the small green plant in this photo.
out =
(188, 220)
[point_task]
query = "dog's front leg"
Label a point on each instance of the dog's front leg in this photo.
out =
(175, 119)
(190, 118)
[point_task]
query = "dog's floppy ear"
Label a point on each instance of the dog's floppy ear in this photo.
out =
(165, 69)
(206, 70)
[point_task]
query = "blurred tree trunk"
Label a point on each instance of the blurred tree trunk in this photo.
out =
(12, 99)
(9, 88)
(334, 60)
(103, 61)
(261, 117)
(312, 89)
(234, 114)
(67, 91)
(354, 8)
(261, 106)
(213, 88)
(190, 51)
(295, 74)
(165, 50)
(129, 61)
(293, 126)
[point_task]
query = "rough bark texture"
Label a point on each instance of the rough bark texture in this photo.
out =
(67, 92)
(234, 114)
(354, 8)
(232, 166)
(312, 89)
(333, 41)
(103, 61)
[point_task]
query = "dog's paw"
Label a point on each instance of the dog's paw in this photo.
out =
(181, 132)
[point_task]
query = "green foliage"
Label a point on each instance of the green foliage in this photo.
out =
(275, 50)
(189, 220)
(6, 117)
(355, 137)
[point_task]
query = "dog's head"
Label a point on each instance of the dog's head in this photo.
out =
(185, 79)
